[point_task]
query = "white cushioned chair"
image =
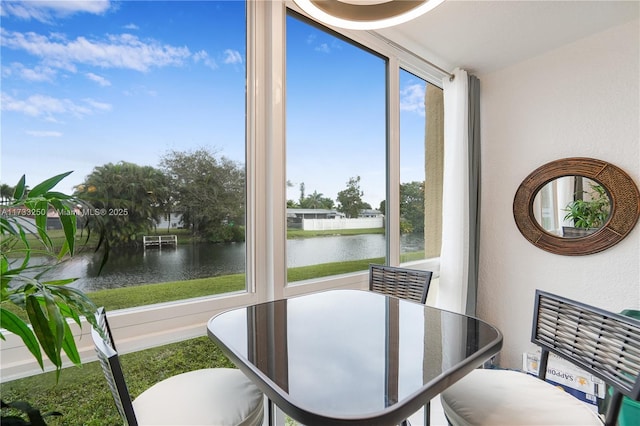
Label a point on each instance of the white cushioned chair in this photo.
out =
(511, 398)
(212, 396)
(604, 344)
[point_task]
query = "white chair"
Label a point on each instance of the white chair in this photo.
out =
(212, 396)
(602, 343)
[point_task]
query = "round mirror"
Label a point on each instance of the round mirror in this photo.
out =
(576, 206)
(572, 206)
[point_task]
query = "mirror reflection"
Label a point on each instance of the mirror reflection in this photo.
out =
(572, 206)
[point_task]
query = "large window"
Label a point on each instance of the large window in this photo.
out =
(145, 103)
(336, 130)
(421, 157)
(174, 112)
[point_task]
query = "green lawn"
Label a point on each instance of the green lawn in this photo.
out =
(82, 394)
(147, 294)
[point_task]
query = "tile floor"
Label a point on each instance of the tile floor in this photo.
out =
(437, 415)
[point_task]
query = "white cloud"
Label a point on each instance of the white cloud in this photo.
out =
(232, 57)
(412, 99)
(323, 47)
(131, 26)
(98, 79)
(48, 107)
(37, 74)
(96, 105)
(46, 10)
(203, 56)
(140, 90)
(117, 51)
(44, 133)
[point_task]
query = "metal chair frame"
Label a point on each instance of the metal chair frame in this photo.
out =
(410, 284)
(602, 343)
(110, 362)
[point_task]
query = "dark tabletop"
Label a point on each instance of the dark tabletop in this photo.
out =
(350, 356)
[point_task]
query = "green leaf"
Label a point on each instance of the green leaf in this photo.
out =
(64, 281)
(56, 320)
(57, 195)
(42, 330)
(8, 227)
(47, 185)
(18, 193)
(69, 346)
(68, 220)
(41, 207)
(76, 302)
(17, 326)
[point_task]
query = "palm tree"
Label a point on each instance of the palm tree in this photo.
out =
(314, 201)
(6, 193)
(128, 196)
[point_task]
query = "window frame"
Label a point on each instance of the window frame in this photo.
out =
(397, 59)
(266, 276)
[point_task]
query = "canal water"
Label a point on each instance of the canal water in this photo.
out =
(134, 267)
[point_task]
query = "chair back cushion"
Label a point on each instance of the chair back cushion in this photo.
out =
(410, 284)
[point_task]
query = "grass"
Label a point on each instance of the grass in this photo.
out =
(82, 394)
(148, 294)
(299, 233)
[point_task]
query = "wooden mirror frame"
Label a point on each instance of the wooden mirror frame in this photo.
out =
(622, 191)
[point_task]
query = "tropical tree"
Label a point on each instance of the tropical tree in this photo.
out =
(412, 206)
(209, 192)
(6, 193)
(129, 198)
(316, 201)
(302, 196)
(350, 199)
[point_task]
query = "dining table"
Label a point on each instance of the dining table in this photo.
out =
(352, 357)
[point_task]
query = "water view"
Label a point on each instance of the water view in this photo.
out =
(184, 262)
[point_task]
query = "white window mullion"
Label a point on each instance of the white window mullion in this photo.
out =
(266, 110)
(393, 162)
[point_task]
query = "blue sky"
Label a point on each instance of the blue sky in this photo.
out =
(88, 83)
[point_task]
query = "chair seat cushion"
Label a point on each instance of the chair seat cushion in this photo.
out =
(213, 396)
(503, 397)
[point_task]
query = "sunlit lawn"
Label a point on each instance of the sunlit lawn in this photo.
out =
(82, 394)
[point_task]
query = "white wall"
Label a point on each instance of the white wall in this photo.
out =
(582, 100)
(354, 223)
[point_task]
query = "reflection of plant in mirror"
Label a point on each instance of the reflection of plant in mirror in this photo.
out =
(592, 212)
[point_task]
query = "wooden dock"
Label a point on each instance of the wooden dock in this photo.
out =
(158, 241)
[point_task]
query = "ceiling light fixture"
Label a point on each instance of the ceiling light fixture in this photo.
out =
(366, 14)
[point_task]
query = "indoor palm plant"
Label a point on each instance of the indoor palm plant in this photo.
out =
(591, 213)
(35, 309)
